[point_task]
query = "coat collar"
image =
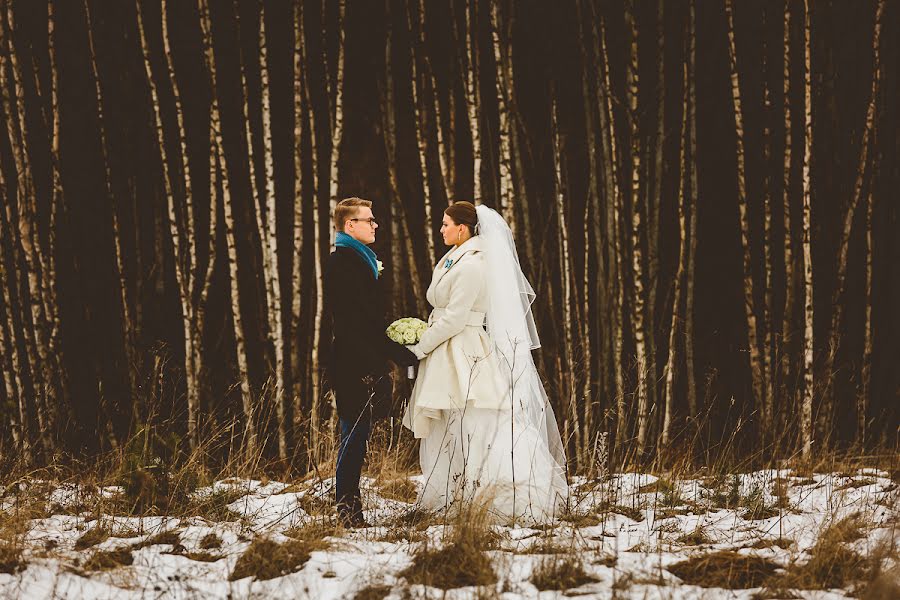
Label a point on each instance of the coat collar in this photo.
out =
(473, 244)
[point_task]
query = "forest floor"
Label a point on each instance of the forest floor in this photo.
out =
(764, 534)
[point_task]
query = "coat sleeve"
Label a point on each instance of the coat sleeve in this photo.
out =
(466, 286)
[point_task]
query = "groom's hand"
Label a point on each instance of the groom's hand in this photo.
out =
(403, 357)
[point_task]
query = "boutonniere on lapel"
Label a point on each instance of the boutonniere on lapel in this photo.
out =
(380, 266)
(448, 263)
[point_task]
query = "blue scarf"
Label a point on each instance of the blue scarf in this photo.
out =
(342, 240)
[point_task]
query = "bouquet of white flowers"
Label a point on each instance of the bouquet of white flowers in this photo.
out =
(406, 331)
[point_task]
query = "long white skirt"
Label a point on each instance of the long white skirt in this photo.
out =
(482, 455)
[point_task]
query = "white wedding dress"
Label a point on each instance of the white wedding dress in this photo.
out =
(507, 455)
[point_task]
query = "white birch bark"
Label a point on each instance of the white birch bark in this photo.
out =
(29, 240)
(299, 188)
(614, 233)
(693, 204)
(273, 280)
(790, 289)
(127, 318)
(505, 92)
(863, 399)
(682, 260)
(192, 336)
(806, 412)
(9, 344)
(473, 95)
(571, 425)
(638, 302)
(768, 412)
(837, 316)
(219, 174)
(419, 79)
(757, 368)
(337, 114)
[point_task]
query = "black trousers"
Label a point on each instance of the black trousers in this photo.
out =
(360, 402)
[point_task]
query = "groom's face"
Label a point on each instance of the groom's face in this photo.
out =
(362, 227)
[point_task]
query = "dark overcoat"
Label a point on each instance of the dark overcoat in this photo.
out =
(357, 367)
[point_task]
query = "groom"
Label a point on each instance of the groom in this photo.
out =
(357, 368)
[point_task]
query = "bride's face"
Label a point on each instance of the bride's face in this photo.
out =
(452, 233)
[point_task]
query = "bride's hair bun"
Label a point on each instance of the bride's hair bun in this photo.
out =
(463, 213)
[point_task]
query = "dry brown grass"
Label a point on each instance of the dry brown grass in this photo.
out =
(373, 592)
(93, 536)
(635, 514)
(461, 561)
(267, 559)
(104, 560)
(210, 541)
(314, 505)
(199, 556)
(831, 564)
(547, 545)
(697, 537)
(581, 519)
(885, 586)
(397, 488)
(170, 538)
(724, 569)
(315, 531)
(561, 573)
(11, 558)
(214, 507)
(762, 544)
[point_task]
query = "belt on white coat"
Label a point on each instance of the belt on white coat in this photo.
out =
(473, 319)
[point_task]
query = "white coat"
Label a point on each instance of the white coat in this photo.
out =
(460, 366)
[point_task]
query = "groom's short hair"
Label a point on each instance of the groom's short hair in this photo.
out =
(347, 209)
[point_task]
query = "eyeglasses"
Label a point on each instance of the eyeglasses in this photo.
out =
(371, 221)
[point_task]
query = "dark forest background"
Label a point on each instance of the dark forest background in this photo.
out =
(703, 194)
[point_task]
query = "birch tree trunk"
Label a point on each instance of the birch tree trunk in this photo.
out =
(757, 368)
(638, 304)
(270, 249)
(219, 175)
(314, 373)
(613, 229)
(806, 413)
(654, 202)
(9, 344)
(398, 211)
(473, 99)
(768, 418)
(682, 260)
(592, 228)
(789, 260)
(863, 400)
(299, 189)
(37, 329)
(192, 335)
(336, 117)
(420, 78)
(571, 425)
(121, 269)
(694, 207)
(505, 91)
(826, 411)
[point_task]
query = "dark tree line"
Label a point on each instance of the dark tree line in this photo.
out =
(702, 193)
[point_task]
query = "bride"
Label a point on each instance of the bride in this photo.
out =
(487, 431)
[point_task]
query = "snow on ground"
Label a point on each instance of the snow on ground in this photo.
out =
(627, 529)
